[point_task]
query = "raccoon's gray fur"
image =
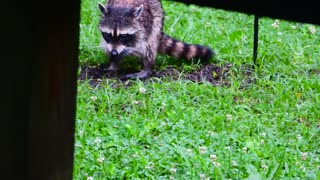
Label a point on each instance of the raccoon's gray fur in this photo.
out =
(136, 27)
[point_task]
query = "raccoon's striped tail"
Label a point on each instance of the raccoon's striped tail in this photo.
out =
(178, 49)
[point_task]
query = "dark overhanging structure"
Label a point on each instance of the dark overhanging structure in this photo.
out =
(39, 78)
(304, 12)
(300, 11)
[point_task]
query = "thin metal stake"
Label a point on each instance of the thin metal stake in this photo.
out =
(255, 38)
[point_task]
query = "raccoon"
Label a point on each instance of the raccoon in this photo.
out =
(135, 27)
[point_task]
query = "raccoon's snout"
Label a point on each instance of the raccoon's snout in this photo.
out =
(114, 52)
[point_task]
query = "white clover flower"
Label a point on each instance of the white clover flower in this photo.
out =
(294, 27)
(80, 132)
(263, 134)
(202, 176)
(78, 145)
(93, 98)
(229, 117)
(303, 168)
(135, 155)
(276, 24)
(227, 147)
(244, 38)
(135, 102)
(211, 133)
(97, 140)
(312, 29)
(163, 105)
(234, 163)
(173, 170)
(89, 178)
(299, 137)
(150, 165)
(189, 152)
(163, 123)
(202, 149)
(142, 90)
(264, 166)
(262, 141)
(100, 159)
(213, 157)
(171, 177)
(279, 33)
(304, 155)
(216, 164)
(244, 149)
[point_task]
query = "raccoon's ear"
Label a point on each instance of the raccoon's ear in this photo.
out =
(138, 12)
(103, 9)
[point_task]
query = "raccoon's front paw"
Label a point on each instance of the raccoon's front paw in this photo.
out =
(113, 68)
(140, 75)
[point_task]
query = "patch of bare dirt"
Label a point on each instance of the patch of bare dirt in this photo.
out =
(214, 74)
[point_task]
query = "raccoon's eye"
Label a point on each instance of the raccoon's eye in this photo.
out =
(126, 38)
(107, 36)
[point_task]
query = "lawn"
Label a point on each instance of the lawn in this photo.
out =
(261, 123)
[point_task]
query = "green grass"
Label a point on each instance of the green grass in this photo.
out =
(163, 129)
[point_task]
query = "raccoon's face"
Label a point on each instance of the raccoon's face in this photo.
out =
(120, 28)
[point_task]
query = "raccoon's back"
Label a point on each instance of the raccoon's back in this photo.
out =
(133, 3)
(178, 49)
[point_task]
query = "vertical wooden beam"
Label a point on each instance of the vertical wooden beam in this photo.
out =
(39, 61)
(15, 88)
(53, 96)
(255, 38)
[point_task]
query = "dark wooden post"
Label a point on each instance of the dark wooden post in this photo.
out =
(53, 96)
(255, 39)
(38, 88)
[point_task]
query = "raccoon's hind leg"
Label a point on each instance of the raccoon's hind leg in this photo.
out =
(140, 75)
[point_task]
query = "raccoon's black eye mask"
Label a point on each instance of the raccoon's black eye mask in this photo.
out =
(107, 36)
(126, 38)
(122, 38)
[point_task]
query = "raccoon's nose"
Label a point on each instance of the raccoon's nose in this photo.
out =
(114, 52)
